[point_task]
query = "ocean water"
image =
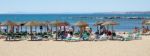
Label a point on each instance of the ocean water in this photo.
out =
(124, 23)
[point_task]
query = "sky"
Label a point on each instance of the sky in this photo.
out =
(72, 6)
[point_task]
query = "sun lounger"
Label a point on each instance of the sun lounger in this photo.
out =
(85, 37)
(12, 36)
(137, 36)
(73, 39)
(128, 38)
(103, 37)
(118, 37)
(148, 33)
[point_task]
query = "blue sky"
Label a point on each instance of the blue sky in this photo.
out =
(72, 6)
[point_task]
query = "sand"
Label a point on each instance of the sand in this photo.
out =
(82, 48)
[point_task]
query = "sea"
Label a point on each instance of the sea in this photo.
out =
(125, 24)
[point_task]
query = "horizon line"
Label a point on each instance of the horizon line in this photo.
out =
(112, 12)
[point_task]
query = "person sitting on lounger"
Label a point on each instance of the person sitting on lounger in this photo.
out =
(144, 30)
(85, 35)
(68, 35)
(109, 33)
(113, 34)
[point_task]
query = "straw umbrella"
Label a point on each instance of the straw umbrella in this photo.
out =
(32, 23)
(146, 22)
(99, 23)
(112, 23)
(107, 23)
(9, 23)
(59, 24)
(81, 25)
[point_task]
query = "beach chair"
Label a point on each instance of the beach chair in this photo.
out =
(17, 36)
(24, 35)
(36, 37)
(128, 38)
(85, 36)
(74, 39)
(138, 36)
(10, 36)
(118, 37)
(50, 35)
(45, 36)
(67, 39)
(148, 33)
(103, 37)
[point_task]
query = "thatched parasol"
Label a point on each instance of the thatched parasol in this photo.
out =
(11, 24)
(112, 23)
(99, 23)
(81, 25)
(146, 22)
(109, 23)
(59, 24)
(33, 23)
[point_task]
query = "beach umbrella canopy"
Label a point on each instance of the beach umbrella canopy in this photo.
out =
(9, 23)
(81, 24)
(33, 23)
(21, 23)
(99, 22)
(146, 22)
(46, 23)
(64, 23)
(59, 23)
(110, 23)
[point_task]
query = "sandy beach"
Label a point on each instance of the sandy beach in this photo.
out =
(82, 48)
(75, 28)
